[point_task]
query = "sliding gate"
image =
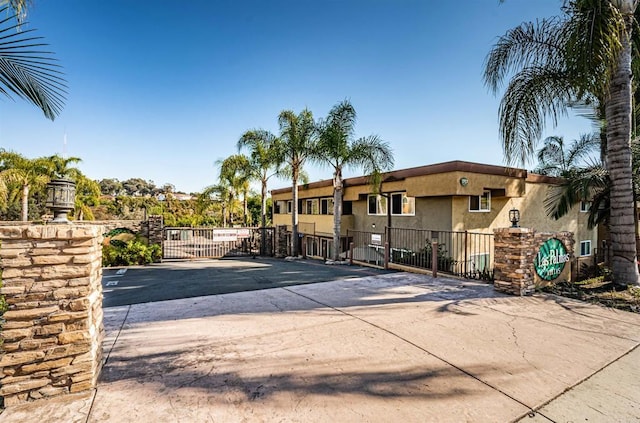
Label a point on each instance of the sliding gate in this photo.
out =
(193, 243)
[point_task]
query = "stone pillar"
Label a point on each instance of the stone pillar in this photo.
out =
(514, 256)
(52, 334)
(514, 253)
(282, 246)
(156, 225)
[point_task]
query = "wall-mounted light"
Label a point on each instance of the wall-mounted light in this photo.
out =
(373, 226)
(514, 217)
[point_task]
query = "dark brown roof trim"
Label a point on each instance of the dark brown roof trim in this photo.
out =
(398, 175)
(544, 179)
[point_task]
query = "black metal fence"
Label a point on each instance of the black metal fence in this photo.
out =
(192, 243)
(466, 254)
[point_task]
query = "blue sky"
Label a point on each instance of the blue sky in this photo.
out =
(161, 90)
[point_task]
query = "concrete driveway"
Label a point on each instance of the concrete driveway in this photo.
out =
(384, 348)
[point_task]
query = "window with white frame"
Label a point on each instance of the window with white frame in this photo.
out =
(311, 206)
(289, 207)
(326, 206)
(377, 205)
(480, 203)
(585, 206)
(402, 205)
(585, 248)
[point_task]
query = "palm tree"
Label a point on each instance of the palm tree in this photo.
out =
(87, 194)
(555, 160)
(237, 171)
(582, 57)
(25, 70)
(262, 146)
(298, 138)
(338, 148)
(22, 174)
(221, 192)
(60, 166)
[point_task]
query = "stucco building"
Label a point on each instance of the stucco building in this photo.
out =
(454, 196)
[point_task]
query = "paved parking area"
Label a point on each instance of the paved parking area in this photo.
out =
(379, 348)
(185, 279)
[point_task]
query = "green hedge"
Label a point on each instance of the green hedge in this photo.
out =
(130, 253)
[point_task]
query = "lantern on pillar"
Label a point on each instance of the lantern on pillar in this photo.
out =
(514, 217)
(61, 197)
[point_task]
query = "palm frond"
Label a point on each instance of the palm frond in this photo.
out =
(529, 45)
(27, 71)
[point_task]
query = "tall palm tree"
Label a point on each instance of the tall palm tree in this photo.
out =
(26, 70)
(298, 139)
(237, 171)
(22, 174)
(262, 146)
(583, 56)
(339, 149)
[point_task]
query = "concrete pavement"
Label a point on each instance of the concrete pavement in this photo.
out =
(395, 347)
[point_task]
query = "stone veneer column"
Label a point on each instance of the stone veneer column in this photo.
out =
(156, 225)
(514, 253)
(53, 328)
(281, 241)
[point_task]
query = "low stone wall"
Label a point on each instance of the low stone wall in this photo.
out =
(52, 335)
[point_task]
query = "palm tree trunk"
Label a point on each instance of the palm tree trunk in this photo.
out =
(25, 202)
(622, 218)
(263, 216)
(224, 217)
(337, 213)
(263, 204)
(294, 214)
(245, 208)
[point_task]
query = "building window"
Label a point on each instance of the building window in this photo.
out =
(311, 207)
(377, 205)
(585, 206)
(585, 248)
(480, 203)
(403, 205)
(289, 207)
(326, 206)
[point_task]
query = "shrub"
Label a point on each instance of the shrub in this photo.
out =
(131, 253)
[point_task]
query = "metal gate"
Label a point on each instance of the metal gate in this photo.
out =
(194, 243)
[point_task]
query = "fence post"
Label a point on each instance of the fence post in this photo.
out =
(434, 257)
(351, 244)
(386, 255)
(466, 254)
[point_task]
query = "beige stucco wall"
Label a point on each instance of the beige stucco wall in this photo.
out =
(451, 210)
(532, 215)
(445, 184)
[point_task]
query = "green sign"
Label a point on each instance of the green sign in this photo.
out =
(551, 259)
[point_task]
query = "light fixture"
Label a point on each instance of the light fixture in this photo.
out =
(61, 197)
(514, 217)
(373, 226)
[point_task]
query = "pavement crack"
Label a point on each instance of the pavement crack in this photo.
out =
(517, 342)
